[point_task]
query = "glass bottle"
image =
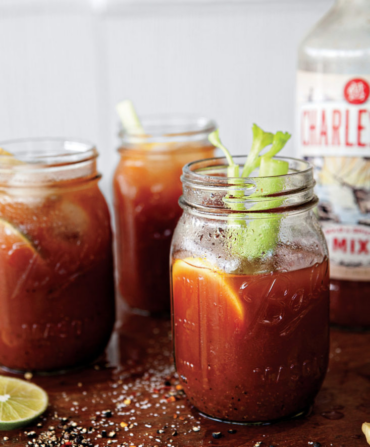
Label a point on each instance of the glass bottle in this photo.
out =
(147, 188)
(333, 129)
(56, 260)
(250, 294)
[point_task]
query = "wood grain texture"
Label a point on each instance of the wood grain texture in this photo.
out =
(137, 383)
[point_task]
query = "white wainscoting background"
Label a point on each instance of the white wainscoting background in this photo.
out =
(66, 63)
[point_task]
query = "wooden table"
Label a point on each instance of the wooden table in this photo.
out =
(137, 384)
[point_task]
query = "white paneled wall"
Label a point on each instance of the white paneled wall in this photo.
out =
(65, 64)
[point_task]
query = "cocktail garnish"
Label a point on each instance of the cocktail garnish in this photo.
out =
(232, 169)
(366, 431)
(190, 268)
(8, 158)
(260, 236)
(21, 402)
(129, 118)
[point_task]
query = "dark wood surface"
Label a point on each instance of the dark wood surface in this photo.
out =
(137, 383)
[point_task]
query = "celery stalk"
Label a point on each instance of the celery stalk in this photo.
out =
(260, 236)
(233, 169)
(279, 141)
(261, 139)
(130, 121)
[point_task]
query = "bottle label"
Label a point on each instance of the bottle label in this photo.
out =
(333, 132)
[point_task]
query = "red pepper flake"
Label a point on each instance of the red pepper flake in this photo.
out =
(179, 387)
(171, 399)
(127, 401)
(175, 416)
(123, 424)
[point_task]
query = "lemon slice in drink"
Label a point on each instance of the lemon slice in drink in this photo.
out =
(195, 268)
(11, 238)
(21, 402)
(7, 158)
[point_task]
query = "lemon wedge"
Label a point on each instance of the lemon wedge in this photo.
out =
(366, 431)
(21, 402)
(193, 268)
(11, 237)
(7, 158)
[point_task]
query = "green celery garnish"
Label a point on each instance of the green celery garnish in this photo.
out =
(233, 169)
(261, 139)
(261, 235)
(130, 121)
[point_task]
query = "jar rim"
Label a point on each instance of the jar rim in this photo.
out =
(213, 192)
(190, 174)
(41, 162)
(166, 128)
(46, 152)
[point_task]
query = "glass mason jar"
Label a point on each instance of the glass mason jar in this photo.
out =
(147, 188)
(250, 293)
(333, 129)
(57, 282)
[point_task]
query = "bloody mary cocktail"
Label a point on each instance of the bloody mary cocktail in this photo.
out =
(57, 289)
(250, 347)
(147, 188)
(250, 285)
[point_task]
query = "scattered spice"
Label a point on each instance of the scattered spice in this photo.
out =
(28, 375)
(217, 434)
(107, 413)
(196, 428)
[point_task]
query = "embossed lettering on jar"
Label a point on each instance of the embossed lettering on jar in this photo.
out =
(56, 289)
(250, 320)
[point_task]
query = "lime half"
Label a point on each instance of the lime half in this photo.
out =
(20, 402)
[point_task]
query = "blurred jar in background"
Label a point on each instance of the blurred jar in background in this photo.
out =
(147, 188)
(56, 260)
(333, 129)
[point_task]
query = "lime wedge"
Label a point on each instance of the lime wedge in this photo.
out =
(21, 402)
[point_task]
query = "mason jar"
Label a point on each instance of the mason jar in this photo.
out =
(250, 293)
(57, 283)
(147, 188)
